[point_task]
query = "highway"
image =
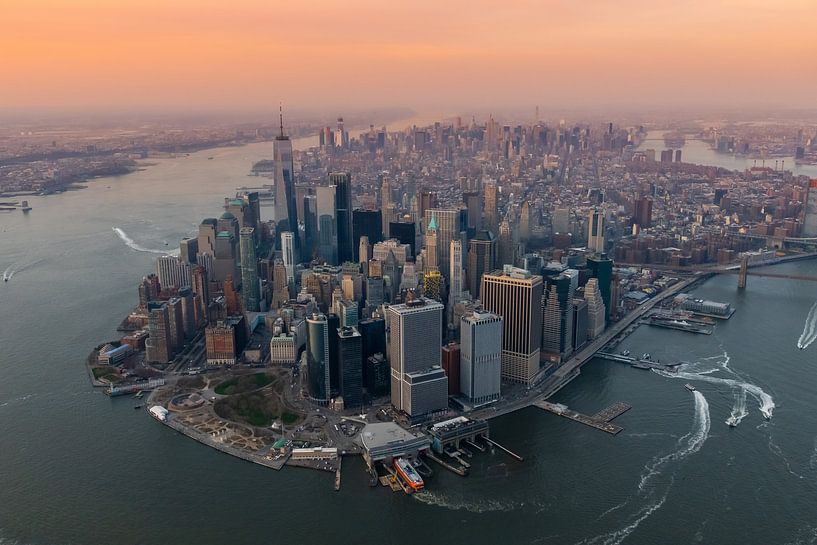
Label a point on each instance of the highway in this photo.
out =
(570, 368)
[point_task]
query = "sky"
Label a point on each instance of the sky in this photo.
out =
(246, 55)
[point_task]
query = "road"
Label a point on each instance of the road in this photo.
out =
(570, 368)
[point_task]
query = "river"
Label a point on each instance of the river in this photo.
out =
(79, 468)
(700, 153)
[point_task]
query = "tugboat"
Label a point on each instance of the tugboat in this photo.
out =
(689, 387)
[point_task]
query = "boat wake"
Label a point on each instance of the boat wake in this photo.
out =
(687, 445)
(689, 372)
(439, 499)
(133, 245)
(809, 334)
(739, 411)
(17, 267)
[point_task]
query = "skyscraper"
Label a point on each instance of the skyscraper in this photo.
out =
(481, 357)
(350, 350)
(601, 268)
(595, 309)
(455, 277)
(418, 383)
(158, 347)
(643, 212)
(343, 199)
(173, 273)
(810, 215)
(288, 254)
(557, 318)
(450, 224)
(286, 214)
(481, 259)
(516, 296)
(368, 223)
(505, 245)
(491, 213)
(207, 236)
(317, 357)
(250, 288)
(595, 231)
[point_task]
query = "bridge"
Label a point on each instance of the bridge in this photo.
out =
(742, 269)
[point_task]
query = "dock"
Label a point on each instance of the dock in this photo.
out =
(500, 447)
(337, 475)
(461, 471)
(600, 421)
(638, 363)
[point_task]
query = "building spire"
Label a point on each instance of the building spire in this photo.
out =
(281, 117)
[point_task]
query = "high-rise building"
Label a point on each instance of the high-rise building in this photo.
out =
(286, 212)
(220, 343)
(189, 322)
(516, 296)
(310, 222)
(560, 220)
(491, 213)
(405, 232)
(481, 260)
(432, 253)
(201, 293)
(810, 215)
(158, 346)
(455, 276)
(368, 223)
(350, 349)
(643, 212)
(225, 257)
(451, 365)
(595, 309)
(433, 285)
(473, 202)
(418, 383)
(580, 327)
(481, 357)
(450, 224)
(557, 318)
(595, 231)
(506, 247)
(173, 273)
(601, 268)
(188, 249)
(343, 199)
(525, 222)
(364, 251)
(288, 254)
(317, 357)
(250, 288)
(207, 236)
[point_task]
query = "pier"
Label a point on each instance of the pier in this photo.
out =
(500, 447)
(637, 363)
(461, 471)
(600, 421)
(337, 475)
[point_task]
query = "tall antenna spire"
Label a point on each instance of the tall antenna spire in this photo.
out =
(281, 117)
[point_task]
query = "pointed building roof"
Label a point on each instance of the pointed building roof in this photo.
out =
(432, 225)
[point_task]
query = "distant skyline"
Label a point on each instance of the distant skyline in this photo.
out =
(246, 55)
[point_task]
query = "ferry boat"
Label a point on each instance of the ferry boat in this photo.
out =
(689, 387)
(408, 474)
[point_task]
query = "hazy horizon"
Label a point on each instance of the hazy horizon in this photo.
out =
(91, 55)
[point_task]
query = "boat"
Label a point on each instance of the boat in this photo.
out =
(625, 353)
(137, 407)
(645, 356)
(139, 394)
(732, 422)
(689, 387)
(409, 475)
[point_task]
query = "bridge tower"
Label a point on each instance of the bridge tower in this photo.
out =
(744, 269)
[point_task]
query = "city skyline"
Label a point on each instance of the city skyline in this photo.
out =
(127, 56)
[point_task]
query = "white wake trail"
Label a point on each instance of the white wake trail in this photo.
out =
(739, 411)
(688, 444)
(764, 400)
(809, 334)
(132, 244)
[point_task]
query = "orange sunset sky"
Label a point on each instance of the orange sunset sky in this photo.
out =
(248, 54)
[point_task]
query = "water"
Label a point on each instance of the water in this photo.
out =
(700, 153)
(79, 468)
